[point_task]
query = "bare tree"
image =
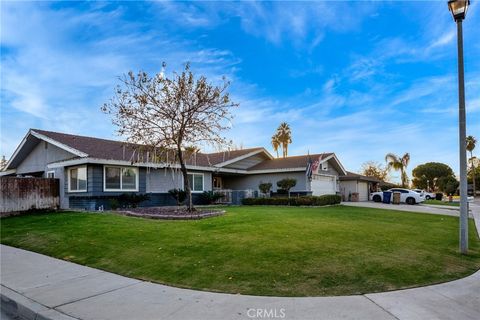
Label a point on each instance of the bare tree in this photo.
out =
(374, 169)
(177, 113)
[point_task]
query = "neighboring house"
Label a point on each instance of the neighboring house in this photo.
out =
(92, 171)
(356, 183)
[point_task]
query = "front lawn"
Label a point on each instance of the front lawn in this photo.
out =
(280, 251)
(442, 203)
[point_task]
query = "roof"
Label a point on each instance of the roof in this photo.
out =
(84, 148)
(288, 162)
(352, 176)
(118, 150)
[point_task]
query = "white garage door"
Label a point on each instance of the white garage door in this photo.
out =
(362, 191)
(322, 185)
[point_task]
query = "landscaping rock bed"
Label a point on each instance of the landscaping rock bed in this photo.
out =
(171, 213)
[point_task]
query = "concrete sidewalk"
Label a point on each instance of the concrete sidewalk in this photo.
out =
(41, 287)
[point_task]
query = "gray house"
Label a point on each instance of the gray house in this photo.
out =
(92, 171)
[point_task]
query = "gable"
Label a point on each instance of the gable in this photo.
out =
(38, 157)
(248, 162)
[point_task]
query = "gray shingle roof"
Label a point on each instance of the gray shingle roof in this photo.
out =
(118, 150)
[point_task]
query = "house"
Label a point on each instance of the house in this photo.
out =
(92, 171)
(352, 183)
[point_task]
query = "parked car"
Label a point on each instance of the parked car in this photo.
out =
(427, 195)
(406, 196)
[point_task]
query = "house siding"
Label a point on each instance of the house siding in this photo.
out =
(252, 181)
(162, 180)
(43, 154)
(95, 182)
(153, 182)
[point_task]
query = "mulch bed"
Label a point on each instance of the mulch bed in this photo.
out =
(171, 213)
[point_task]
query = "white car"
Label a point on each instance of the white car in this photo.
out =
(428, 195)
(406, 196)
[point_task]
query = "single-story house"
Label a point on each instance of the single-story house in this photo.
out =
(92, 170)
(354, 183)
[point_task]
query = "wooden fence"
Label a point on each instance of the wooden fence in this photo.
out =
(23, 194)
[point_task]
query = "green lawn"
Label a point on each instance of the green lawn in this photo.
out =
(442, 203)
(282, 251)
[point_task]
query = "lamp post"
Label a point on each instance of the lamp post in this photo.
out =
(459, 10)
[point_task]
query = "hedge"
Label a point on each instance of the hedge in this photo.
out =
(324, 200)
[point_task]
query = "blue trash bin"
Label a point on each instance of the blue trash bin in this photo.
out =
(387, 196)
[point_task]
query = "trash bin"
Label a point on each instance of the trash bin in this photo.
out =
(396, 198)
(355, 197)
(387, 196)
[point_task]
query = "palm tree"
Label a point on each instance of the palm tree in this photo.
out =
(285, 136)
(471, 141)
(399, 164)
(276, 143)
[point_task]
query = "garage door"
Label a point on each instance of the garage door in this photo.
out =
(322, 185)
(362, 191)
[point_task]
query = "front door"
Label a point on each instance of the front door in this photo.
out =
(217, 183)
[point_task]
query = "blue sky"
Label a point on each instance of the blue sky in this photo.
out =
(356, 78)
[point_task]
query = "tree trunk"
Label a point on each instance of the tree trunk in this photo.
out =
(404, 180)
(473, 173)
(186, 185)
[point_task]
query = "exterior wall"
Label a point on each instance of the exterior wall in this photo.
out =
(252, 181)
(347, 188)
(43, 154)
(155, 183)
(37, 161)
(351, 186)
(95, 184)
(162, 180)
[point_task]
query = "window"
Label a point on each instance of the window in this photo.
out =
(325, 166)
(77, 179)
(120, 179)
(51, 174)
(195, 180)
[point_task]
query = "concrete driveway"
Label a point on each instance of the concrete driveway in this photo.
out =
(450, 211)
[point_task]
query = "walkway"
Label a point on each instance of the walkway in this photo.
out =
(40, 287)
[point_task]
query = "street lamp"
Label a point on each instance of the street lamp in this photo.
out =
(459, 10)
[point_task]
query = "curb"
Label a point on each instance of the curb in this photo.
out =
(20, 306)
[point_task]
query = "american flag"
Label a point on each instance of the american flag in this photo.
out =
(312, 167)
(309, 168)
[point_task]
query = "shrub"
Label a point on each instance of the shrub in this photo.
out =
(210, 197)
(114, 204)
(438, 196)
(324, 200)
(132, 199)
(287, 184)
(179, 195)
(265, 187)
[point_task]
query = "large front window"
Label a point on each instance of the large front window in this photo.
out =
(77, 179)
(195, 180)
(120, 178)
